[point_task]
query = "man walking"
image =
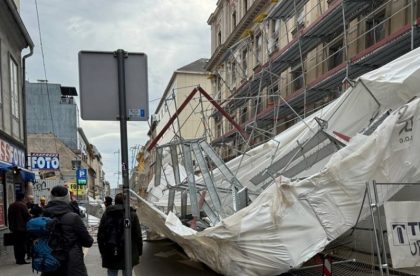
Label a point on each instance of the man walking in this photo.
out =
(18, 215)
(111, 237)
(74, 232)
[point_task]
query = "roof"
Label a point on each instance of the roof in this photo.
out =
(196, 66)
(12, 7)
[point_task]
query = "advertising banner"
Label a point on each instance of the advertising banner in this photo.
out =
(403, 225)
(11, 154)
(45, 161)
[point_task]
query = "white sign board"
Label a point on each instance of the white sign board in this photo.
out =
(403, 226)
(98, 79)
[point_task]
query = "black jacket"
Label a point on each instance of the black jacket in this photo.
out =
(18, 216)
(76, 235)
(108, 259)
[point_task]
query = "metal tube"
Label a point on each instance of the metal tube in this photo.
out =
(121, 55)
(378, 213)
(375, 233)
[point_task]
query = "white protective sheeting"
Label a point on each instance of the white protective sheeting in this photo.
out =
(290, 221)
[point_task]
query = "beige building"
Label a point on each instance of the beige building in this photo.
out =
(191, 123)
(265, 53)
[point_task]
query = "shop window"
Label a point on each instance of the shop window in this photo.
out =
(375, 28)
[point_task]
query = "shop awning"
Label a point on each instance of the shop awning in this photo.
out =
(26, 174)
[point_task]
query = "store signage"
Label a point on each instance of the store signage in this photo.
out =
(81, 176)
(45, 161)
(403, 225)
(11, 154)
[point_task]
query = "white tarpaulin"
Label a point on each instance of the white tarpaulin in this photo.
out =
(403, 225)
(291, 221)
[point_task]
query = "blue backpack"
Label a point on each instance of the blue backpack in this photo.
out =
(49, 246)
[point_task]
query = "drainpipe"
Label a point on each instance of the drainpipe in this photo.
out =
(25, 133)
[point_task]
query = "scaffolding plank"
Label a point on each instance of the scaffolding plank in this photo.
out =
(158, 166)
(191, 181)
(220, 165)
(214, 196)
(175, 168)
(280, 164)
(184, 202)
(214, 218)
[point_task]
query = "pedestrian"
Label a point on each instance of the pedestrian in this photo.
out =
(74, 232)
(111, 237)
(42, 202)
(18, 215)
(108, 201)
(74, 205)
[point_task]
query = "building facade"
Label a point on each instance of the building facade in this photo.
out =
(53, 112)
(13, 174)
(51, 108)
(274, 62)
(190, 122)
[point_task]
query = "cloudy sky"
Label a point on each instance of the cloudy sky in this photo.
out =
(172, 33)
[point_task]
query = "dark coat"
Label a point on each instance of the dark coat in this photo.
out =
(76, 235)
(18, 215)
(117, 262)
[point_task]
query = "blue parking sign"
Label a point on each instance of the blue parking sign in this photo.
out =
(81, 176)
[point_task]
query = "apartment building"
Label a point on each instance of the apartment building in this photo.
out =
(274, 62)
(189, 123)
(53, 128)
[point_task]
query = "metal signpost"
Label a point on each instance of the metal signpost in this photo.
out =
(101, 76)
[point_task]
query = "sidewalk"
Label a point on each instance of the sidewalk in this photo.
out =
(159, 258)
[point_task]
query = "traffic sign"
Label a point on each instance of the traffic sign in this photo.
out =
(81, 176)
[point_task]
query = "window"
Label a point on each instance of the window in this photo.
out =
(335, 53)
(297, 77)
(272, 94)
(375, 28)
(244, 115)
(244, 58)
(258, 49)
(245, 6)
(233, 20)
(14, 88)
(233, 75)
(219, 38)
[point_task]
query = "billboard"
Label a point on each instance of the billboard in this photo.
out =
(45, 161)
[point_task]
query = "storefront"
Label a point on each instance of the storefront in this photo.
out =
(13, 176)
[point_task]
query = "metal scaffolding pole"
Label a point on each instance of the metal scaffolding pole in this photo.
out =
(301, 59)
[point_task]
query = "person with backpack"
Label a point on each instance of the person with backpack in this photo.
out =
(111, 237)
(72, 235)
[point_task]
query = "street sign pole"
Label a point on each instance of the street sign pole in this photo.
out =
(121, 55)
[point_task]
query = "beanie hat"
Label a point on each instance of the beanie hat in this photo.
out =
(60, 193)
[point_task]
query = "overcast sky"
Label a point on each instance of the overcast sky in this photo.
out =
(172, 33)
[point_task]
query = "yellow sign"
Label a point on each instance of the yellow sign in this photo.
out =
(76, 191)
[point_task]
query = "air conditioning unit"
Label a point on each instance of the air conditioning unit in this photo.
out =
(155, 118)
